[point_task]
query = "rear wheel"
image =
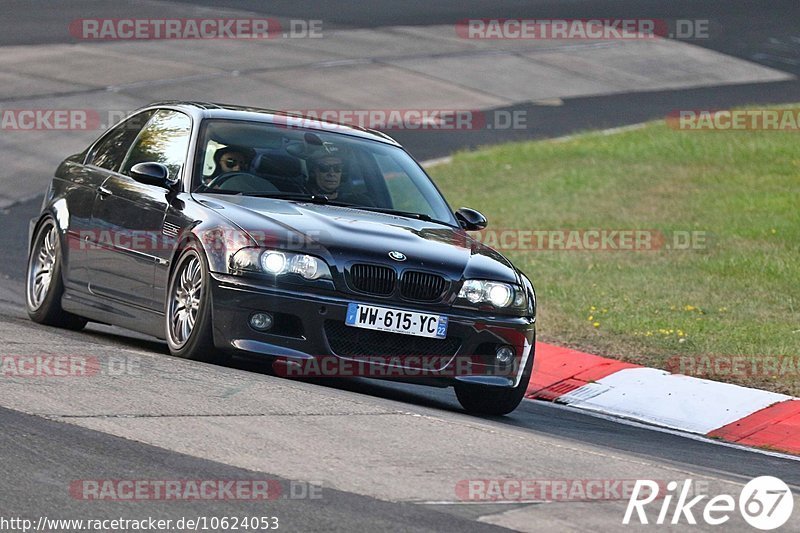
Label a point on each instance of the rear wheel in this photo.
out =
(44, 286)
(488, 400)
(188, 309)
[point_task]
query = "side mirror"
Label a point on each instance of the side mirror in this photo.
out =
(152, 174)
(471, 220)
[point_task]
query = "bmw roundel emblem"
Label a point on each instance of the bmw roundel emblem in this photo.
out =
(397, 256)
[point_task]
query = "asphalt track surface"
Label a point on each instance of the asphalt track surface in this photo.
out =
(762, 32)
(43, 454)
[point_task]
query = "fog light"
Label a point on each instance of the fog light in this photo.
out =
(261, 321)
(504, 355)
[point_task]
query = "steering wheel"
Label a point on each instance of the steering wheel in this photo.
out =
(217, 182)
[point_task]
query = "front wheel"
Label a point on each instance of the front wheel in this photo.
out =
(188, 309)
(44, 286)
(488, 400)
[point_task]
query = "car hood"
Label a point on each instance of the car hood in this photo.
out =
(342, 235)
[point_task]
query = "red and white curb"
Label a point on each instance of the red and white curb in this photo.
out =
(732, 413)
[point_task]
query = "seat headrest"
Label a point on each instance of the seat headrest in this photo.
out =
(284, 166)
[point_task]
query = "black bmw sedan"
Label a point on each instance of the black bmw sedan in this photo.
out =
(324, 248)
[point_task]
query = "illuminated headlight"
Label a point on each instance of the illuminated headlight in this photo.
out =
(273, 262)
(308, 266)
(498, 294)
(277, 263)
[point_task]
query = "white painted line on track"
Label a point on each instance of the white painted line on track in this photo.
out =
(692, 436)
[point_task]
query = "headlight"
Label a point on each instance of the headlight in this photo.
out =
(498, 294)
(307, 266)
(273, 262)
(277, 263)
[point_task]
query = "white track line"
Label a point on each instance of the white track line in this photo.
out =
(692, 436)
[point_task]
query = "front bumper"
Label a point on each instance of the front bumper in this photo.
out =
(306, 323)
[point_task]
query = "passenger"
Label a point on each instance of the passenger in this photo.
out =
(230, 159)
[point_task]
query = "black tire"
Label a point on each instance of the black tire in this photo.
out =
(43, 300)
(488, 400)
(198, 345)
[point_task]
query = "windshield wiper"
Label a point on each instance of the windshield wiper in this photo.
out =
(399, 212)
(202, 190)
(299, 197)
(322, 199)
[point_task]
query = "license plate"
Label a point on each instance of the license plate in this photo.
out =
(395, 321)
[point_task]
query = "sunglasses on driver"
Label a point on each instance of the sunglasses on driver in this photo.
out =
(324, 168)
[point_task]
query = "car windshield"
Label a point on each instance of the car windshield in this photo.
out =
(297, 164)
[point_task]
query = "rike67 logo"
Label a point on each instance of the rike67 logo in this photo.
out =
(765, 503)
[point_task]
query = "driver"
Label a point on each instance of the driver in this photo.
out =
(325, 178)
(326, 175)
(230, 159)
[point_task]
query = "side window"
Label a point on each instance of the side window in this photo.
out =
(164, 140)
(111, 150)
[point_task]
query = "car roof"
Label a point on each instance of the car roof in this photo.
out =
(204, 110)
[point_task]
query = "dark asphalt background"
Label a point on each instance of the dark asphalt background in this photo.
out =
(48, 456)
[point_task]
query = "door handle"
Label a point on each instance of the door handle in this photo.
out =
(103, 192)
